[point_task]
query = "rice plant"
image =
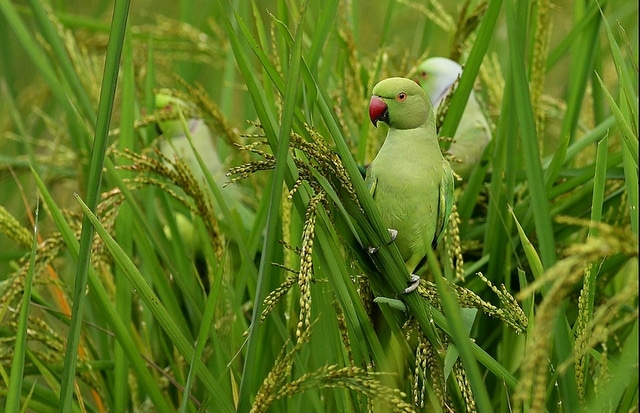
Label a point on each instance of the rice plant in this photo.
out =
(185, 225)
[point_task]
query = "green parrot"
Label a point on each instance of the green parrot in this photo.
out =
(410, 180)
(437, 76)
(175, 142)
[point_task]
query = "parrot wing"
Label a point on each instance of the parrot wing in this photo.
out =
(445, 205)
(371, 182)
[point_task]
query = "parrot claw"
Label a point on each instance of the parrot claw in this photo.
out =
(393, 233)
(414, 282)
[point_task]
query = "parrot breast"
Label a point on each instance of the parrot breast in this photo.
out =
(408, 175)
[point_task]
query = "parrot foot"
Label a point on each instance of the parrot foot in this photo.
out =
(393, 233)
(414, 282)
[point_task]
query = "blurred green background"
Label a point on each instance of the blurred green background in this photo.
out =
(195, 50)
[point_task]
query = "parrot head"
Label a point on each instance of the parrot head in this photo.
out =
(168, 124)
(436, 76)
(400, 103)
(166, 105)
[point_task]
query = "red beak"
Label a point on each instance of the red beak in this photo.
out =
(378, 111)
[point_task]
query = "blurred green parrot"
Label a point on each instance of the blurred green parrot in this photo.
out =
(438, 76)
(174, 142)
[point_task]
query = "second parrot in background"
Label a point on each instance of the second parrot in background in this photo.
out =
(174, 142)
(437, 76)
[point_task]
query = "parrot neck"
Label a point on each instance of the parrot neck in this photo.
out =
(412, 142)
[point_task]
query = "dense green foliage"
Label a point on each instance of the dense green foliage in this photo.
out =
(237, 276)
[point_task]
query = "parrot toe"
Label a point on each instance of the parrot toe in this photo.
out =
(414, 282)
(392, 233)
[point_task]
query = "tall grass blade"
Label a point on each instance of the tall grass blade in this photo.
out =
(155, 306)
(629, 137)
(124, 224)
(121, 332)
(197, 295)
(37, 55)
(625, 368)
(14, 387)
(583, 53)
(516, 22)
(205, 328)
(529, 250)
(61, 58)
(249, 379)
(501, 190)
(105, 107)
(528, 137)
(626, 115)
(472, 65)
(460, 337)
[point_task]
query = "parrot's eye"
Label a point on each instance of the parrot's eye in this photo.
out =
(423, 75)
(401, 96)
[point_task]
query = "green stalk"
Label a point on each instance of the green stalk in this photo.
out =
(124, 224)
(528, 135)
(529, 250)
(154, 304)
(583, 55)
(105, 107)
(460, 338)
(621, 375)
(149, 102)
(121, 332)
(465, 85)
(249, 381)
(228, 77)
(14, 387)
(62, 58)
(589, 284)
(205, 327)
(501, 190)
(516, 24)
(577, 31)
(37, 55)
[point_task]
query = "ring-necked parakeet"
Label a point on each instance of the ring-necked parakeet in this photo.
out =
(410, 180)
(437, 76)
(175, 142)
